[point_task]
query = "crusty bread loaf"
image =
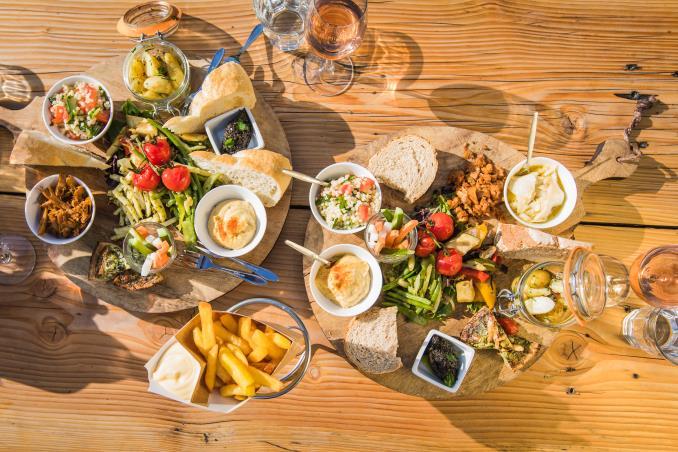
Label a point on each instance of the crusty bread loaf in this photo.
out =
(35, 148)
(224, 89)
(518, 242)
(371, 341)
(406, 163)
(256, 169)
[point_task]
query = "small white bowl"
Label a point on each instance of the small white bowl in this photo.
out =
(332, 172)
(465, 355)
(33, 211)
(569, 185)
(375, 283)
(47, 116)
(214, 197)
(215, 129)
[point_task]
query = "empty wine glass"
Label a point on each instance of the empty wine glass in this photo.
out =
(17, 259)
(334, 30)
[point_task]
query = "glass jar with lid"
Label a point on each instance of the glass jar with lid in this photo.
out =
(157, 72)
(556, 294)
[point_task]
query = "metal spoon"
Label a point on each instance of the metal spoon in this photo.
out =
(305, 178)
(307, 252)
(530, 145)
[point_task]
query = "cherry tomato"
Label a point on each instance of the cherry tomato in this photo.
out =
(177, 178)
(510, 326)
(366, 184)
(441, 225)
(425, 246)
(364, 212)
(146, 179)
(448, 262)
(158, 153)
(59, 114)
(478, 275)
(103, 116)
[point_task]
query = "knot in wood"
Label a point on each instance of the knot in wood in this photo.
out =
(573, 122)
(43, 288)
(52, 331)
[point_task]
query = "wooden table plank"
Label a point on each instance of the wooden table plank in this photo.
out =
(68, 360)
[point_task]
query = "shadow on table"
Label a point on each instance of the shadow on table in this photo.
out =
(54, 343)
(18, 86)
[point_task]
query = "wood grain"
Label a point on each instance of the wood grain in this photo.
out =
(70, 366)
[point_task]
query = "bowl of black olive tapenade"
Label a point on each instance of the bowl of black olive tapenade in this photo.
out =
(443, 361)
(234, 131)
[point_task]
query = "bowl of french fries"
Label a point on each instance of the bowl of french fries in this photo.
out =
(239, 357)
(59, 209)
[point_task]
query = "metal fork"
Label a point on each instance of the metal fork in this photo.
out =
(265, 273)
(202, 262)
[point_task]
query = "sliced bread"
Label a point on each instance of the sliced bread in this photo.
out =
(371, 342)
(518, 242)
(256, 169)
(406, 163)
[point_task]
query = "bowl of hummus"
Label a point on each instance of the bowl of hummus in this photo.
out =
(230, 220)
(350, 285)
(542, 197)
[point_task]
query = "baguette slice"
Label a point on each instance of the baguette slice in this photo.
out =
(406, 163)
(256, 169)
(518, 242)
(35, 148)
(371, 342)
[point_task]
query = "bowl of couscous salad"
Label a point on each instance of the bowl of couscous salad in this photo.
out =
(77, 110)
(349, 201)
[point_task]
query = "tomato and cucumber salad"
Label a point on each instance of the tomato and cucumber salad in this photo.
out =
(80, 111)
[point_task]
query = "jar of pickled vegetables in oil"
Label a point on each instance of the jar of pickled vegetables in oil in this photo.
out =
(556, 294)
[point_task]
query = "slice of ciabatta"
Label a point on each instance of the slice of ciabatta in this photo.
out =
(371, 342)
(406, 163)
(518, 242)
(256, 169)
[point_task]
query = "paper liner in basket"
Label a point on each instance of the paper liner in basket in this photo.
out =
(202, 397)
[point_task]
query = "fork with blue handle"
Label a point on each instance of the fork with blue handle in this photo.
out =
(203, 262)
(265, 273)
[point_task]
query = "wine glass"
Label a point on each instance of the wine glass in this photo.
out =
(17, 259)
(334, 30)
(654, 276)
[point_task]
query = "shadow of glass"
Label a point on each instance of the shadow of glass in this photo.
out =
(18, 86)
(198, 37)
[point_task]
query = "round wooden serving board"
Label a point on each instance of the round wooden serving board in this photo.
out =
(182, 287)
(487, 370)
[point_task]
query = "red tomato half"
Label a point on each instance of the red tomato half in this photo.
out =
(177, 178)
(448, 263)
(146, 179)
(158, 153)
(441, 225)
(425, 246)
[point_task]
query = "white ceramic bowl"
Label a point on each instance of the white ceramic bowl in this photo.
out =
(332, 172)
(214, 197)
(569, 185)
(215, 129)
(47, 116)
(465, 355)
(375, 283)
(33, 211)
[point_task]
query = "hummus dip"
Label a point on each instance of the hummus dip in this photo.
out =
(232, 223)
(346, 282)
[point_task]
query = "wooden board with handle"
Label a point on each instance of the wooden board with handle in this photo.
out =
(182, 287)
(488, 370)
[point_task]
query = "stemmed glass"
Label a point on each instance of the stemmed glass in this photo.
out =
(334, 30)
(17, 259)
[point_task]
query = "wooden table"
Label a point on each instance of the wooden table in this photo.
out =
(71, 366)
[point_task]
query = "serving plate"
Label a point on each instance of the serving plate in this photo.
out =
(487, 370)
(182, 288)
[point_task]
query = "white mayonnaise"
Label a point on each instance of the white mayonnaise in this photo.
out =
(178, 371)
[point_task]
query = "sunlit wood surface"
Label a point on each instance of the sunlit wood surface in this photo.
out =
(71, 366)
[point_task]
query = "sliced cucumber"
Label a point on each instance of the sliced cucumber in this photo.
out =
(397, 221)
(141, 246)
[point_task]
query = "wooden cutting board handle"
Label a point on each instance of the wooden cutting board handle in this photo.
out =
(24, 119)
(613, 159)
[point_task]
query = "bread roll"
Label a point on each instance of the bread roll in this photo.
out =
(256, 169)
(224, 89)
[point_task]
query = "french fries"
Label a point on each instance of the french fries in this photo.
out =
(211, 369)
(240, 354)
(205, 310)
